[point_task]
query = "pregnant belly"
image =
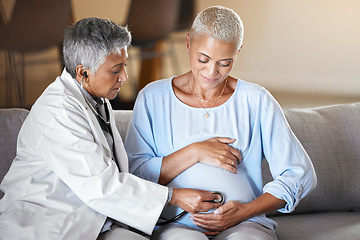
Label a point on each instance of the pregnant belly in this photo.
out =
(204, 177)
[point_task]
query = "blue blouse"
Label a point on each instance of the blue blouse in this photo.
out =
(162, 124)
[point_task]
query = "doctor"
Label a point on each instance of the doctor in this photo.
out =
(70, 177)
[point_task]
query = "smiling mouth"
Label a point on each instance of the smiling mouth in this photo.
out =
(211, 80)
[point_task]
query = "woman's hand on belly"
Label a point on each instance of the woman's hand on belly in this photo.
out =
(214, 152)
(231, 214)
(234, 212)
(218, 153)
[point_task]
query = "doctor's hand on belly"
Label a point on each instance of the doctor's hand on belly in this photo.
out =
(234, 212)
(192, 200)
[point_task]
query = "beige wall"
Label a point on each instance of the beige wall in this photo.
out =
(307, 46)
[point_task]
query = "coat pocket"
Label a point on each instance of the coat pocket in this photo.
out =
(24, 220)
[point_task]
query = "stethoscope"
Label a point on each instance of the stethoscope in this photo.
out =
(165, 221)
(88, 103)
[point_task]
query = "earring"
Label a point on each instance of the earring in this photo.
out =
(86, 82)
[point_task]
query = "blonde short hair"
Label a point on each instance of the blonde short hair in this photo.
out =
(219, 22)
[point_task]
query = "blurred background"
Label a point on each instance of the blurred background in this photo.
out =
(306, 53)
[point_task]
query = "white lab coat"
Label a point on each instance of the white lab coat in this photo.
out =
(63, 183)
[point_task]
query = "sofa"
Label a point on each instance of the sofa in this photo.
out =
(330, 135)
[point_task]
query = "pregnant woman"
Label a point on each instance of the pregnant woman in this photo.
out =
(207, 130)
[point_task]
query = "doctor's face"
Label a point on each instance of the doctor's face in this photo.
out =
(110, 76)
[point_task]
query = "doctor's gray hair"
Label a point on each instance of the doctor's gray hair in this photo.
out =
(90, 41)
(219, 22)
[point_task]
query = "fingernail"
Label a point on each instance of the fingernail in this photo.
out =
(216, 211)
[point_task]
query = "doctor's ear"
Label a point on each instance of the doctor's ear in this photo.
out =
(81, 72)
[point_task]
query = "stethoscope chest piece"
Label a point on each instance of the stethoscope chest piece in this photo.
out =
(219, 200)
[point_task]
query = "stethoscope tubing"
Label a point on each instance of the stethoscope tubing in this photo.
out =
(90, 106)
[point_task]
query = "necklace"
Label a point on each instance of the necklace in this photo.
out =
(207, 114)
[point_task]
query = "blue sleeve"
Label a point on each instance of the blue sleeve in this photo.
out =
(139, 143)
(292, 170)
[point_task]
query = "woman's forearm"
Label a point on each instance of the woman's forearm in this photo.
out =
(264, 204)
(176, 163)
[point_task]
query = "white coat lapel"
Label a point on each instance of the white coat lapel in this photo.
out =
(69, 83)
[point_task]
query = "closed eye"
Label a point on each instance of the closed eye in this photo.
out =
(224, 65)
(119, 68)
(203, 61)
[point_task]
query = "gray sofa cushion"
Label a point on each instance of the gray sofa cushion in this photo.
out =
(331, 137)
(320, 226)
(122, 119)
(10, 124)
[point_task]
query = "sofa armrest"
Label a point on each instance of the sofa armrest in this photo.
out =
(11, 120)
